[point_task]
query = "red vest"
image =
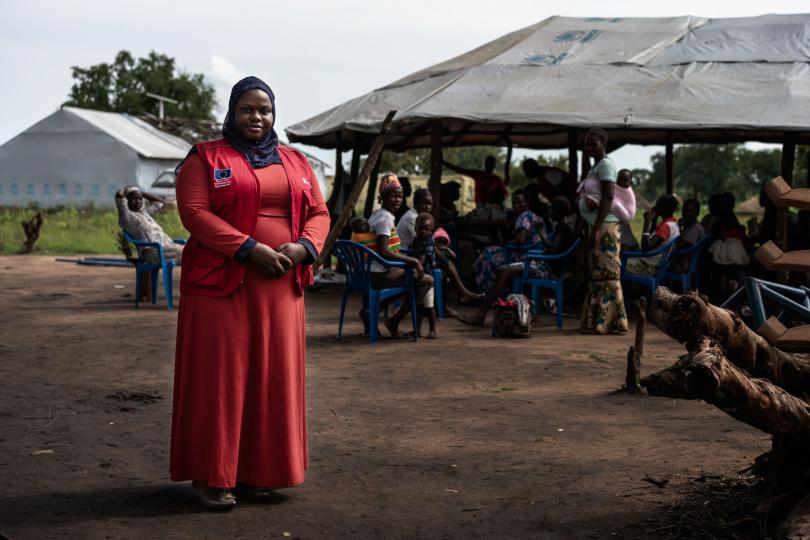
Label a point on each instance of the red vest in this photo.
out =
(236, 198)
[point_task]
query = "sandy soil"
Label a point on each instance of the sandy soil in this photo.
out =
(465, 436)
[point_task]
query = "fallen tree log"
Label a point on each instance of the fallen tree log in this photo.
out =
(731, 367)
(687, 316)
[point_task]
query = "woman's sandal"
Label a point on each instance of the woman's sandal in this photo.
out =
(221, 500)
(253, 493)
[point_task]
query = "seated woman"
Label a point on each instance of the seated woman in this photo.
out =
(527, 224)
(655, 234)
(135, 217)
(559, 242)
(383, 224)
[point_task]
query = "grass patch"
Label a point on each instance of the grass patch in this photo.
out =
(72, 231)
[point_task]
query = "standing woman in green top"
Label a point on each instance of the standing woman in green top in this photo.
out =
(603, 310)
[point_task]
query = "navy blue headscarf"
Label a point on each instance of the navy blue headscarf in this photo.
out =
(260, 153)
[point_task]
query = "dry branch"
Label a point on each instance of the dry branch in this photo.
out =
(31, 228)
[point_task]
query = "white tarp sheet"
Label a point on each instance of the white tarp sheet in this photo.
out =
(680, 73)
(769, 38)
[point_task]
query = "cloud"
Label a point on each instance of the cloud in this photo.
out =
(224, 75)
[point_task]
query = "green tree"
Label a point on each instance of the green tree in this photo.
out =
(703, 169)
(122, 86)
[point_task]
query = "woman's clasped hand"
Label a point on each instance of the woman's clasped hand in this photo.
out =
(270, 262)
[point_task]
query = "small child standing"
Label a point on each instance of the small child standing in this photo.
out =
(424, 249)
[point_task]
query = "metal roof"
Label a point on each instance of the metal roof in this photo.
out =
(147, 141)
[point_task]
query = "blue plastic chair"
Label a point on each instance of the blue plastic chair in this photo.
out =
(790, 301)
(438, 290)
(651, 282)
(555, 285)
(691, 276)
(357, 258)
(143, 266)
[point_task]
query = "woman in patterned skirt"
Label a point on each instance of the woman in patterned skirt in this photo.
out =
(603, 310)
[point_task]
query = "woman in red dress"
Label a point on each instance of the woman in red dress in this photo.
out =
(257, 221)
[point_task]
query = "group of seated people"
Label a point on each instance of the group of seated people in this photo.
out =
(542, 216)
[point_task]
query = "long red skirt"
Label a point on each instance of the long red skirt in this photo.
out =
(239, 404)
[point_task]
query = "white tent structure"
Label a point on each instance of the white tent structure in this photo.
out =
(80, 157)
(645, 80)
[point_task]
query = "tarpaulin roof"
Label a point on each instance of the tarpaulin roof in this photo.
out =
(646, 80)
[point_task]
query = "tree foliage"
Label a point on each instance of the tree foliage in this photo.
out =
(700, 169)
(121, 86)
(703, 169)
(417, 162)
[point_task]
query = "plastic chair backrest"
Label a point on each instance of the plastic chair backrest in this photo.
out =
(352, 256)
(357, 259)
(128, 237)
(567, 257)
(694, 251)
(666, 252)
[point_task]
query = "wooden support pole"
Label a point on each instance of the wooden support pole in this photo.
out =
(788, 161)
(633, 378)
(807, 164)
(585, 165)
(335, 198)
(508, 163)
(788, 157)
(435, 180)
(670, 165)
(353, 171)
(354, 196)
(573, 161)
(371, 192)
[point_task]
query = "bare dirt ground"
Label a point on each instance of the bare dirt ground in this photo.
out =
(466, 436)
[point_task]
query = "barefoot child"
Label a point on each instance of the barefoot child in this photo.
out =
(423, 248)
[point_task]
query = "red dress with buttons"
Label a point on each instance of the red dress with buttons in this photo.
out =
(239, 404)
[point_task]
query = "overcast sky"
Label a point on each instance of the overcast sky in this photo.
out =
(315, 54)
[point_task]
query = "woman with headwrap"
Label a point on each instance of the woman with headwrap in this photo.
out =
(382, 223)
(603, 310)
(257, 220)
